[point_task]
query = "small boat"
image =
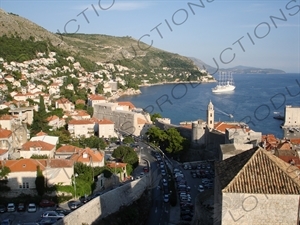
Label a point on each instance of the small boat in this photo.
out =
(278, 116)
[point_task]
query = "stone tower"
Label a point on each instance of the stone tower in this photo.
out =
(210, 117)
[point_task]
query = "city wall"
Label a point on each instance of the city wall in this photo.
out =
(106, 204)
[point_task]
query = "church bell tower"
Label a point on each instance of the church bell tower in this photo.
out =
(210, 117)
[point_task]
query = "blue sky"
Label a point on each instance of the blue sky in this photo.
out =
(201, 32)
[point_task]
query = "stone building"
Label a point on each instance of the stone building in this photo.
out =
(256, 187)
(292, 116)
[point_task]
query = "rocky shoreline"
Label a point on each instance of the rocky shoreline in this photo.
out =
(132, 91)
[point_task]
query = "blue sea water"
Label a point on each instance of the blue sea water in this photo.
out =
(254, 101)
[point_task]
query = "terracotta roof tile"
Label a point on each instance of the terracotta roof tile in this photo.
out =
(221, 127)
(4, 133)
(3, 151)
(41, 133)
(34, 144)
(29, 165)
(79, 122)
(87, 155)
(96, 97)
(129, 104)
(68, 149)
(6, 117)
(116, 165)
(258, 171)
(105, 121)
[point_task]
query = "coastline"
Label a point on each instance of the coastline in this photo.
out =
(131, 91)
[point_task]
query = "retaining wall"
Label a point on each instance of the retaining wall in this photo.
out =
(106, 204)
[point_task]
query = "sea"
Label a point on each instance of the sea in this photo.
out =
(255, 100)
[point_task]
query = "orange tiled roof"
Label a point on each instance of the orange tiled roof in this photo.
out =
(91, 156)
(6, 117)
(37, 144)
(116, 165)
(4, 133)
(105, 121)
(79, 122)
(63, 101)
(96, 97)
(221, 127)
(3, 151)
(80, 101)
(30, 165)
(68, 149)
(24, 165)
(50, 118)
(129, 104)
(41, 133)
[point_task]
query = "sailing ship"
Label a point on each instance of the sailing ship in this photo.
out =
(225, 83)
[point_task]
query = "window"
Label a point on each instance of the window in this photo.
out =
(24, 185)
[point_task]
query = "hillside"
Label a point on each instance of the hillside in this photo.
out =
(236, 69)
(124, 51)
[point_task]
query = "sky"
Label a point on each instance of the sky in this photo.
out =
(227, 33)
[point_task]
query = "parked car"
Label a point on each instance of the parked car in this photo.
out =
(163, 172)
(21, 207)
(47, 221)
(52, 214)
(47, 203)
(62, 211)
(146, 170)
(75, 205)
(200, 188)
(166, 198)
(31, 207)
(6, 222)
(2, 208)
(11, 207)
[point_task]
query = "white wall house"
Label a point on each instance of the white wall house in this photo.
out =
(78, 128)
(106, 129)
(23, 173)
(37, 148)
(89, 157)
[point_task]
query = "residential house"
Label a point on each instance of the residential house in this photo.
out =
(55, 122)
(23, 173)
(37, 148)
(53, 140)
(6, 140)
(66, 151)
(120, 169)
(64, 104)
(78, 128)
(6, 121)
(78, 115)
(9, 78)
(3, 154)
(256, 187)
(106, 129)
(95, 99)
(89, 157)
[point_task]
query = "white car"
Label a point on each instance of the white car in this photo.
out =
(11, 207)
(31, 207)
(166, 198)
(200, 188)
(52, 214)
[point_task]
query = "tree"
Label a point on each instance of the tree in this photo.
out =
(127, 155)
(40, 181)
(4, 171)
(39, 118)
(175, 141)
(154, 116)
(128, 140)
(156, 135)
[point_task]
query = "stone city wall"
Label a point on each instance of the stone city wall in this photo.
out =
(106, 204)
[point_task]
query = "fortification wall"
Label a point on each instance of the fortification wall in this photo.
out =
(106, 204)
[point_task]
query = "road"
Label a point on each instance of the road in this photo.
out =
(159, 212)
